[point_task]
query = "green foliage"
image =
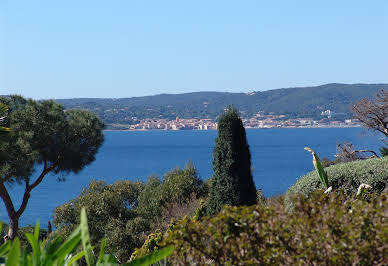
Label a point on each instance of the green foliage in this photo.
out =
(151, 244)
(49, 252)
(232, 183)
(347, 176)
(67, 141)
(57, 252)
(177, 186)
(201, 211)
(111, 212)
(43, 136)
(321, 230)
(124, 212)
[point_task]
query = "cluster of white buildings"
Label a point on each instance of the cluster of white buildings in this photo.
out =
(177, 124)
(259, 120)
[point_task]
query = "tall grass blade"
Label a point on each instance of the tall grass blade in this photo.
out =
(49, 251)
(102, 250)
(76, 258)
(35, 248)
(13, 258)
(69, 246)
(36, 231)
(5, 248)
(85, 237)
(26, 261)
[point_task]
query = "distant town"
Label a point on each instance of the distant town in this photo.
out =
(259, 120)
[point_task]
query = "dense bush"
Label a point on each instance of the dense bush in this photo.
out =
(126, 212)
(176, 189)
(347, 176)
(111, 213)
(323, 230)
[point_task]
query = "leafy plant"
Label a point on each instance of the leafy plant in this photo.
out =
(56, 252)
(51, 252)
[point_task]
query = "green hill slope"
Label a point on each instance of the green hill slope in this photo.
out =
(292, 102)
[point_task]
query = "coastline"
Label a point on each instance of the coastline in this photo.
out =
(246, 128)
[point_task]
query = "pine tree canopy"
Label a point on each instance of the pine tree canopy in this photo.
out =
(44, 138)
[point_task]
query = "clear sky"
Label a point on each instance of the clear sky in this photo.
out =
(67, 49)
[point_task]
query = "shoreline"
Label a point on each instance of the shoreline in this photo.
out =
(249, 128)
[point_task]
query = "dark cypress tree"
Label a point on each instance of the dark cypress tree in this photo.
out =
(232, 181)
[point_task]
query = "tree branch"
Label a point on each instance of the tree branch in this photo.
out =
(28, 188)
(42, 175)
(7, 200)
(360, 151)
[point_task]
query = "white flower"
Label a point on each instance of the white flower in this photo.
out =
(363, 187)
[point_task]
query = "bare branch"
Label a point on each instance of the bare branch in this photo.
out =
(373, 114)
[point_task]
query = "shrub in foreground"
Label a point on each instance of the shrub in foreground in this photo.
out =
(323, 230)
(54, 251)
(347, 176)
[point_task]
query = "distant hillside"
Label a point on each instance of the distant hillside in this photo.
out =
(292, 102)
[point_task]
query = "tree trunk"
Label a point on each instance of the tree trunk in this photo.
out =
(13, 227)
(12, 215)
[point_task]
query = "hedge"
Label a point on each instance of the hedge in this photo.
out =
(322, 230)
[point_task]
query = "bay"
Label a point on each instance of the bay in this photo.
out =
(278, 159)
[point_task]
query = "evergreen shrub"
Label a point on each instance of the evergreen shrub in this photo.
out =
(347, 176)
(232, 183)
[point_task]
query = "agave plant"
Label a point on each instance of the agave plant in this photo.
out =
(319, 168)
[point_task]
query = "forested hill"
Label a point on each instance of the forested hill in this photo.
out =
(292, 102)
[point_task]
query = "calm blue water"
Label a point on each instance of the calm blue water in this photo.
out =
(278, 159)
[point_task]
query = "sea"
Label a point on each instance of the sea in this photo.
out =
(277, 156)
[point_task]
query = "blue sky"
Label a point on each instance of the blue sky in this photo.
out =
(66, 49)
